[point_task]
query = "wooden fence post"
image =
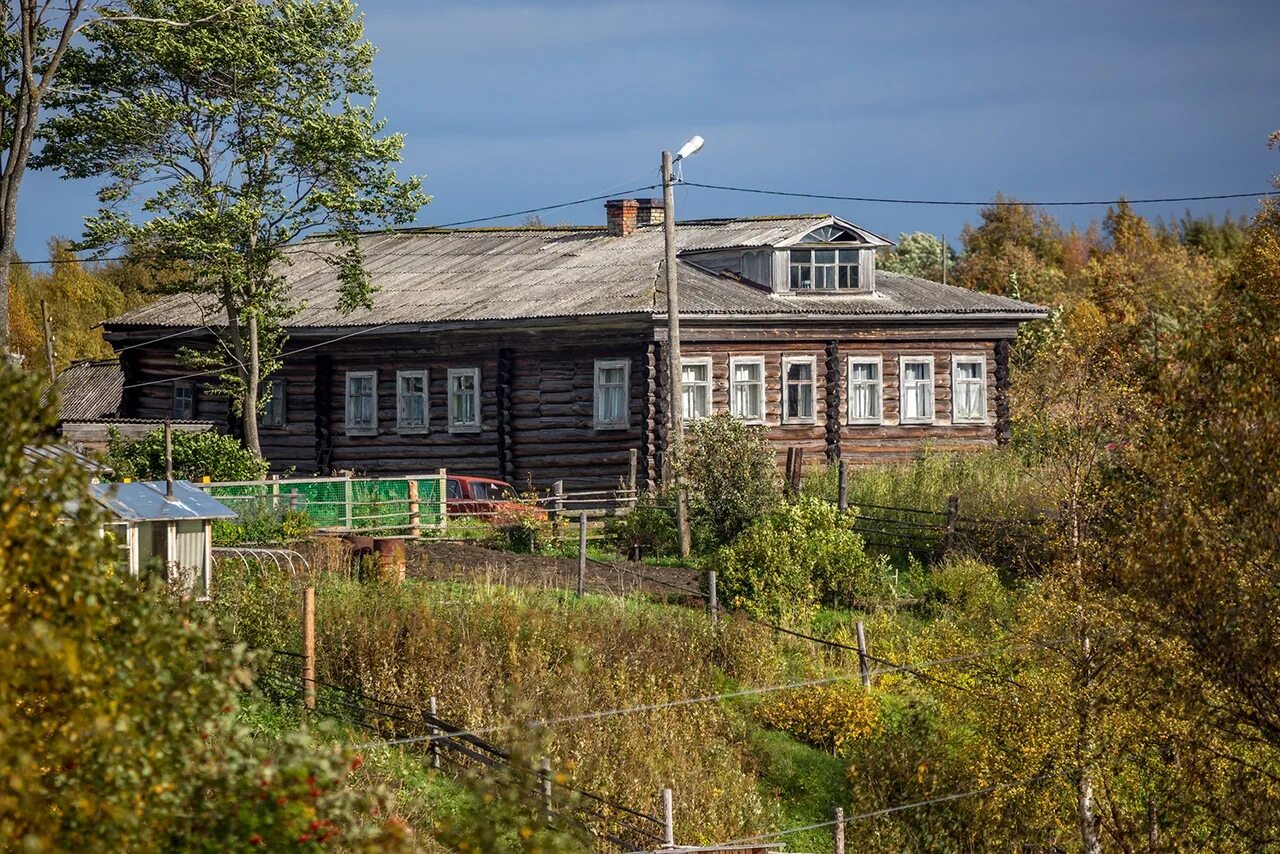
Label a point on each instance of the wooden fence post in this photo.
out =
(544, 771)
(309, 648)
(432, 746)
(842, 481)
(863, 667)
(839, 828)
(415, 529)
(347, 496)
(713, 605)
(953, 512)
(631, 473)
(787, 478)
(444, 499)
(668, 820)
(582, 553)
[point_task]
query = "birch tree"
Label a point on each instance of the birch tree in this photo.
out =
(224, 142)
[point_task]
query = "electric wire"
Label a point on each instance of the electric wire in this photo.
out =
(545, 723)
(982, 203)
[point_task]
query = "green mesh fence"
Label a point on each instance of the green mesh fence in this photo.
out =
(369, 505)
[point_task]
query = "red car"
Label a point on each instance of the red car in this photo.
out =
(486, 497)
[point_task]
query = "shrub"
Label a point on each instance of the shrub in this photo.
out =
(117, 705)
(648, 527)
(800, 556)
(195, 456)
(826, 716)
(261, 523)
(731, 473)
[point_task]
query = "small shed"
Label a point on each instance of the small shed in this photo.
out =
(165, 525)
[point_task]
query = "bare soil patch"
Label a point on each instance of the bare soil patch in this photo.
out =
(469, 563)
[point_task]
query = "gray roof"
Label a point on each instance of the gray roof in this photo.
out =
(434, 275)
(144, 501)
(89, 390)
(44, 453)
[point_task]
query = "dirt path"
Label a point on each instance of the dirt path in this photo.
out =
(472, 563)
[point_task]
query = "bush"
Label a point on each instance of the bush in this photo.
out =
(118, 704)
(731, 473)
(648, 527)
(800, 556)
(826, 716)
(261, 523)
(195, 456)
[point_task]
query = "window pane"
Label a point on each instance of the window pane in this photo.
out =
(864, 371)
(917, 371)
(611, 375)
(799, 371)
(824, 256)
(801, 256)
(693, 373)
(970, 370)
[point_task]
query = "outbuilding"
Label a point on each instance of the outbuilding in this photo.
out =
(164, 526)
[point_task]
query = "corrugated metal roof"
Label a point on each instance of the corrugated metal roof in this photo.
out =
(433, 275)
(38, 453)
(89, 389)
(144, 501)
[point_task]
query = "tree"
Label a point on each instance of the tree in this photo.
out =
(731, 473)
(118, 705)
(917, 254)
(251, 128)
(33, 44)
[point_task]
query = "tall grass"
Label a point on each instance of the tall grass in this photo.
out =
(494, 656)
(996, 484)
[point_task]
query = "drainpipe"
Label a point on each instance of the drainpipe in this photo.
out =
(168, 461)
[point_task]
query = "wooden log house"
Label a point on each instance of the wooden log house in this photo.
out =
(536, 354)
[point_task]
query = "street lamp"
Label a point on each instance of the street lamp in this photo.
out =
(675, 406)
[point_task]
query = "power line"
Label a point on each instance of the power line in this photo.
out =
(982, 203)
(955, 796)
(688, 701)
(541, 209)
(361, 331)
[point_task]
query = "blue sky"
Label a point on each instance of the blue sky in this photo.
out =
(512, 105)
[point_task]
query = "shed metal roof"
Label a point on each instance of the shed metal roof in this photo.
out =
(144, 501)
(426, 276)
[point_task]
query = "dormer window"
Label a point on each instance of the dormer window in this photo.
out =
(824, 269)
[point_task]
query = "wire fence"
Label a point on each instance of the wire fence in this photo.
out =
(613, 825)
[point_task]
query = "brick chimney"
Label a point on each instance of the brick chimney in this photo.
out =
(625, 215)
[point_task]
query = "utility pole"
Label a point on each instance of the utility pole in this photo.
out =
(48, 340)
(944, 257)
(675, 407)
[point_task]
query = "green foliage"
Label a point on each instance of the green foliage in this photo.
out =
(827, 716)
(230, 168)
(731, 473)
(799, 556)
(805, 782)
(649, 527)
(262, 522)
(917, 254)
(196, 455)
(117, 709)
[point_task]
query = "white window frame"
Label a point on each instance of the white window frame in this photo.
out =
(734, 361)
(173, 402)
(624, 421)
(279, 395)
(703, 361)
(812, 362)
(425, 426)
(366, 429)
(956, 361)
(878, 361)
(930, 417)
(456, 426)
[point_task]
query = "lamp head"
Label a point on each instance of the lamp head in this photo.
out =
(689, 149)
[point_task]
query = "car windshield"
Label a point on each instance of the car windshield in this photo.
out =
(453, 489)
(501, 492)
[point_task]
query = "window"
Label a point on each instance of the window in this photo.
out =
(273, 411)
(611, 399)
(866, 389)
(453, 488)
(799, 389)
(184, 402)
(917, 390)
(695, 386)
(411, 401)
(362, 403)
(969, 388)
(824, 269)
(464, 400)
(746, 388)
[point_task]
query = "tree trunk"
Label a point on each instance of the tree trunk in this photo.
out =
(249, 404)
